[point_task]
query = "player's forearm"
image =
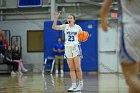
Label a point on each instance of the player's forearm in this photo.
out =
(54, 26)
(105, 9)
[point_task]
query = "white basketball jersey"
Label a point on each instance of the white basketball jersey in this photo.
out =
(71, 34)
(130, 11)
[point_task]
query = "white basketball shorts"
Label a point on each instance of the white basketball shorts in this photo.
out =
(73, 51)
(130, 43)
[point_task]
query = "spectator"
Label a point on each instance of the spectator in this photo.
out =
(17, 58)
(58, 49)
(8, 60)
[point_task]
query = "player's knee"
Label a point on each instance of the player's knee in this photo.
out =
(78, 69)
(132, 81)
(72, 68)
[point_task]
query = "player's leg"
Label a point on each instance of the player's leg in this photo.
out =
(129, 56)
(71, 66)
(77, 54)
(77, 61)
(130, 72)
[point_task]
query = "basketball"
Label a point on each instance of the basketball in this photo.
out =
(83, 36)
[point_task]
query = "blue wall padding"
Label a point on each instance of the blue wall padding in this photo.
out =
(90, 47)
(50, 38)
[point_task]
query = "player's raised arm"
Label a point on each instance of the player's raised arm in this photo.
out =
(104, 13)
(55, 26)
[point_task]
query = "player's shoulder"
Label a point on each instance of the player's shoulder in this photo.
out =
(77, 25)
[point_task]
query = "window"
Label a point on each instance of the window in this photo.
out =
(35, 41)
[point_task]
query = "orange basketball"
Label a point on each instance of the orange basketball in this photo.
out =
(83, 36)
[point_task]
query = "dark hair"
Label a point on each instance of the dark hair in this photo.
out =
(73, 16)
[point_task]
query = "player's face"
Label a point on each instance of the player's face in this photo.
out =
(70, 19)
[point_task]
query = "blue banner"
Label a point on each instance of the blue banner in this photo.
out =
(24, 3)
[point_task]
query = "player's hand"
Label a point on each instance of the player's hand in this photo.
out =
(104, 26)
(57, 14)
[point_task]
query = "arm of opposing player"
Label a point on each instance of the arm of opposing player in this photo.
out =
(104, 13)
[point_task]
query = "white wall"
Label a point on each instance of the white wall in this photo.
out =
(20, 28)
(108, 50)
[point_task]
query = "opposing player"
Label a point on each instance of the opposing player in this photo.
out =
(72, 49)
(130, 46)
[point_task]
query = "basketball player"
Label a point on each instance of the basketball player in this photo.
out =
(72, 49)
(130, 39)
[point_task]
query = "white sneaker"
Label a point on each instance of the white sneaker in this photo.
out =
(71, 89)
(80, 87)
(13, 73)
(25, 70)
(56, 71)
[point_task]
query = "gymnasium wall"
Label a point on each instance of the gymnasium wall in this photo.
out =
(108, 60)
(20, 28)
(108, 51)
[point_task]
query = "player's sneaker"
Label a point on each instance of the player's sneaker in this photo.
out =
(79, 87)
(72, 89)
